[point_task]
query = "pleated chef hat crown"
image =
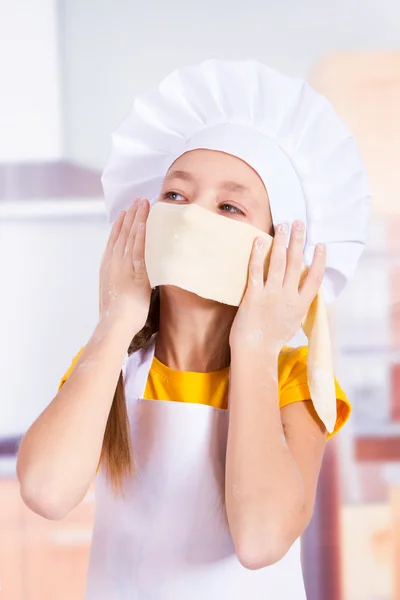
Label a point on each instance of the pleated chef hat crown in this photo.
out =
(285, 130)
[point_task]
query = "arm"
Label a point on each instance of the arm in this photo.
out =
(273, 456)
(273, 462)
(59, 454)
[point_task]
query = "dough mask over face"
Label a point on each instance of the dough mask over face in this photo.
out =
(208, 254)
(197, 250)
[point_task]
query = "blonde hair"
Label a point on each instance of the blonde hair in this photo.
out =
(116, 453)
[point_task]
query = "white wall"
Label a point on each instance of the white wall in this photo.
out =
(30, 110)
(49, 258)
(115, 48)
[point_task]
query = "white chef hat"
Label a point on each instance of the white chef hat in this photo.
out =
(286, 131)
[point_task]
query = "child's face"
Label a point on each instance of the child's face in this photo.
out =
(221, 183)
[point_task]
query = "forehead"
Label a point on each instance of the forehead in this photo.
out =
(215, 165)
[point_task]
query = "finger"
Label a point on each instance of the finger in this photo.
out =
(295, 256)
(312, 282)
(255, 278)
(140, 217)
(112, 240)
(138, 250)
(119, 247)
(115, 231)
(277, 265)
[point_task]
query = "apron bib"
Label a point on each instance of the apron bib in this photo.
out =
(168, 537)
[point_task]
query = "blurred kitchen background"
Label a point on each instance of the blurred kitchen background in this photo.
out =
(68, 73)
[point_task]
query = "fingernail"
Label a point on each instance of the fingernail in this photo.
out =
(321, 248)
(259, 243)
(298, 225)
(283, 228)
(143, 201)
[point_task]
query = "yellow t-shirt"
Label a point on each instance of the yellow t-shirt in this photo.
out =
(164, 383)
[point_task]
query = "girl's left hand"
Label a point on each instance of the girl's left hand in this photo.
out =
(271, 313)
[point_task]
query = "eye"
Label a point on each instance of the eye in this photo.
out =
(231, 209)
(174, 196)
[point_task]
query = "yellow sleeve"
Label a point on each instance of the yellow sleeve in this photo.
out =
(71, 368)
(293, 386)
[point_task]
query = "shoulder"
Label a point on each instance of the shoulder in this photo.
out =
(290, 355)
(292, 362)
(293, 384)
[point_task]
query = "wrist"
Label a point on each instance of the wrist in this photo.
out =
(255, 345)
(242, 354)
(117, 324)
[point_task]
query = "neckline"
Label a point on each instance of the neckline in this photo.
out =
(169, 373)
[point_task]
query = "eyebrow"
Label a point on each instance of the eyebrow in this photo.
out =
(180, 175)
(230, 186)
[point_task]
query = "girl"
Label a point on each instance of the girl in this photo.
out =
(207, 445)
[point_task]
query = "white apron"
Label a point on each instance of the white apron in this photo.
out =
(168, 538)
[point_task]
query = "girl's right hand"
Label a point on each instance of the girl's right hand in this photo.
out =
(124, 285)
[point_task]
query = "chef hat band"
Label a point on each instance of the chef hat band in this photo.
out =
(266, 158)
